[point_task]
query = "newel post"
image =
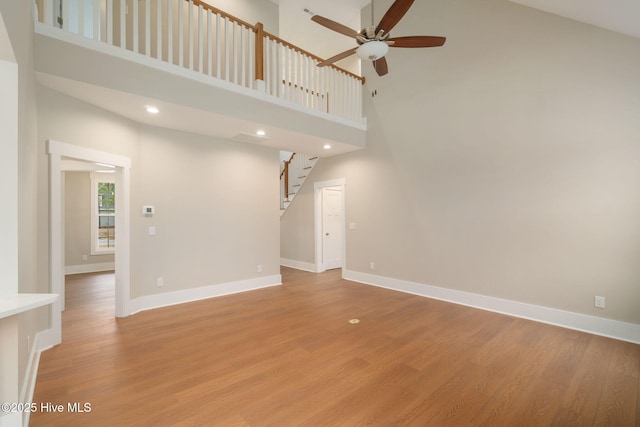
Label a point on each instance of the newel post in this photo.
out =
(259, 57)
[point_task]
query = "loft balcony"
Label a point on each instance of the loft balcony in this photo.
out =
(209, 73)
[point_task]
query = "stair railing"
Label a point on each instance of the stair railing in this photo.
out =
(197, 36)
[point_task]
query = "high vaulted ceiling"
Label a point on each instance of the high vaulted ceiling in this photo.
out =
(622, 16)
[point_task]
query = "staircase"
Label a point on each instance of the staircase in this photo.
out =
(293, 173)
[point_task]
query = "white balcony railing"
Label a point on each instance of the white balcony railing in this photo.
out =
(199, 37)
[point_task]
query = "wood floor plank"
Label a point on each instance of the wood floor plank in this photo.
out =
(288, 356)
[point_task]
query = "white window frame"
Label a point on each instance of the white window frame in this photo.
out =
(96, 178)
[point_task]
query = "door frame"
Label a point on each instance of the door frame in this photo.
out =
(317, 220)
(56, 150)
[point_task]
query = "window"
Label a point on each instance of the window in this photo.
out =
(103, 214)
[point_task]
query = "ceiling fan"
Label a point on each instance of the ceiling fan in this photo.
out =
(373, 41)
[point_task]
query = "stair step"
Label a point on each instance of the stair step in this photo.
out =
(297, 185)
(313, 158)
(303, 176)
(308, 167)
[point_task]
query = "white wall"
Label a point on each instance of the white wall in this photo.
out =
(505, 163)
(216, 201)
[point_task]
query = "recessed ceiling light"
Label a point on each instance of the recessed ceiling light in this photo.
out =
(327, 146)
(261, 133)
(106, 171)
(151, 109)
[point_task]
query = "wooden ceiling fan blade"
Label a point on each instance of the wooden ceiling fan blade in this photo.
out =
(395, 13)
(416, 41)
(381, 67)
(338, 57)
(335, 26)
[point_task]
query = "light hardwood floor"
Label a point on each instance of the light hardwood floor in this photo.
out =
(288, 356)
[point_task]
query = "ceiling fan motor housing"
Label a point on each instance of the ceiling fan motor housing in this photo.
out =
(368, 34)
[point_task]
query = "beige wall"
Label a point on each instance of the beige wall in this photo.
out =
(77, 218)
(251, 11)
(505, 163)
(216, 201)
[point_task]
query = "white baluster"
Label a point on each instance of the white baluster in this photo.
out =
(170, 31)
(123, 24)
(96, 20)
(65, 15)
(252, 55)
(243, 58)
(49, 14)
(147, 27)
(218, 45)
(227, 59)
(181, 32)
(209, 43)
(236, 50)
(287, 69)
(200, 39)
(190, 29)
(135, 36)
(305, 80)
(159, 27)
(316, 85)
(110, 22)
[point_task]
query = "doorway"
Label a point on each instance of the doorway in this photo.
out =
(332, 227)
(57, 152)
(329, 220)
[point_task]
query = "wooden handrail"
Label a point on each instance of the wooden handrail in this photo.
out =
(285, 173)
(222, 13)
(259, 30)
(286, 163)
(317, 58)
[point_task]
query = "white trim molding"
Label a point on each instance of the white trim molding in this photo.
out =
(149, 302)
(581, 322)
(317, 220)
(89, 268)
(56, 151)
(38, 345)
(298, 265)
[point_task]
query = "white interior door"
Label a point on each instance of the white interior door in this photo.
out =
(332, 227)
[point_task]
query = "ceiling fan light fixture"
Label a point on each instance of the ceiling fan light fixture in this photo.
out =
(372, 50)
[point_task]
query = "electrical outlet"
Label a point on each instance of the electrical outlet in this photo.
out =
(372, 265)
(599, 302)
(85, 257)
(259, 268)
(160, 282)
(28, 343)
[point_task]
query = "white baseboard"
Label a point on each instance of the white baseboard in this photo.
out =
(89, 268)
(581, 322)
(39, 344)
(149, 302)
(298, 265)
